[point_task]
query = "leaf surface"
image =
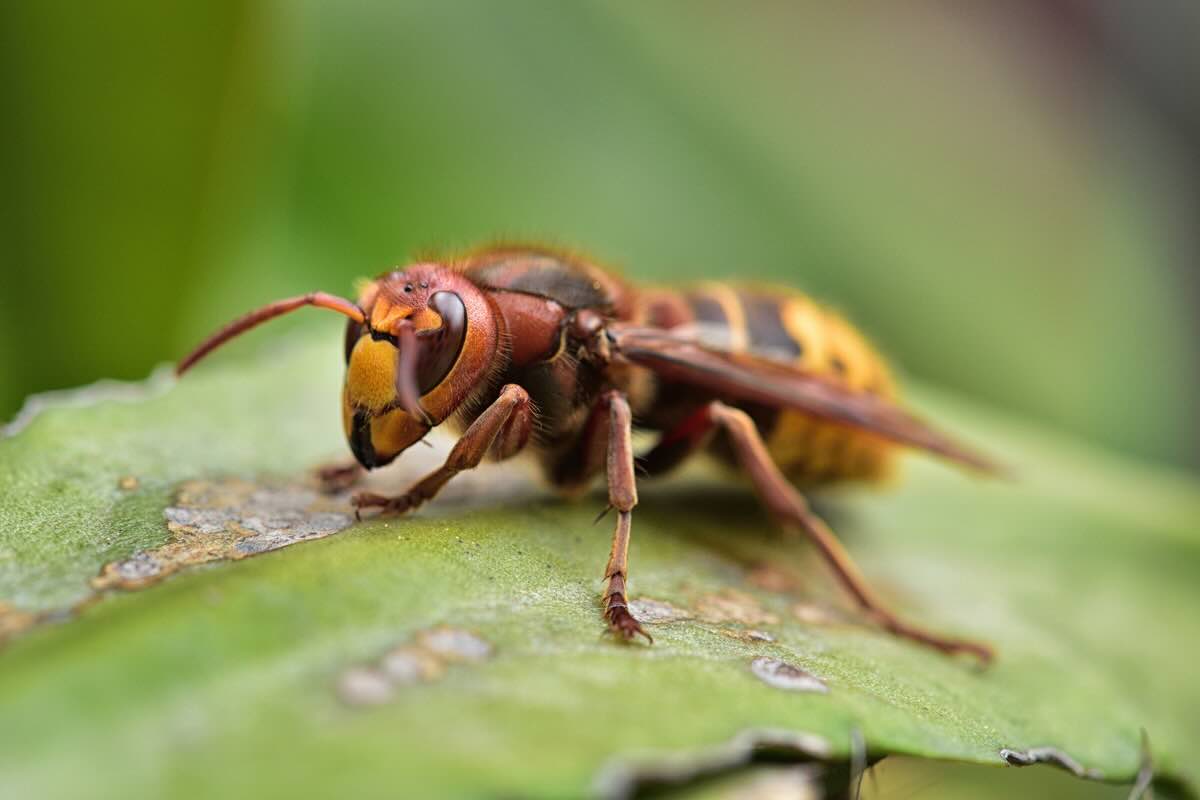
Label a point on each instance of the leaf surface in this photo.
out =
(461, 650)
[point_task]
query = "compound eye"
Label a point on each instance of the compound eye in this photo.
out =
(354, 332)
(440, 347)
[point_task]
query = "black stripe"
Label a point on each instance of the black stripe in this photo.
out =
(707, 310)
(544, 276)
(765, 419)
(764, 328)
(354, 330)
(360, 440)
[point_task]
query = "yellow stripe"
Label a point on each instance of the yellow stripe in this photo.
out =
(808, 450)
(849, 348)
(791, 440)
(802, 320)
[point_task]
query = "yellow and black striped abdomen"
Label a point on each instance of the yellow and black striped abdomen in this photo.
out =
(787, 326)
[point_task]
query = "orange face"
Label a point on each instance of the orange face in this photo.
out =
(448, 325)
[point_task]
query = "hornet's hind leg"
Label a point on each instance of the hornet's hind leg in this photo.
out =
(788, 505)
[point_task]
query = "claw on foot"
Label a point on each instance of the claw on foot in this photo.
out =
(386, 505)
(982, 652)
(622, 623)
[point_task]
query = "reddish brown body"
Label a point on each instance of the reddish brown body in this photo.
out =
(531, 349)
(536, 295)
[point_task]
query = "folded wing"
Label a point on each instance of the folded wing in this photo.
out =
(752, 379)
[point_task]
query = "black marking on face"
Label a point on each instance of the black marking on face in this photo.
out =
(382, 336)
(360, 440)
(354, 332)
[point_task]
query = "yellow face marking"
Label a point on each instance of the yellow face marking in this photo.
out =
(385, 315)
(371, 376)
(394, 431)
(735, 315)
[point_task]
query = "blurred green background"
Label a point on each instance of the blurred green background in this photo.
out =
(1004, 198)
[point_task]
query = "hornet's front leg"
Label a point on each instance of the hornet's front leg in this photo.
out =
(504, 428)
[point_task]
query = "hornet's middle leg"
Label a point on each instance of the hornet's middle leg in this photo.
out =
(622, 496)
(607, 441)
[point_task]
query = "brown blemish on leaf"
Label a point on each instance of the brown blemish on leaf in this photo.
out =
(362, 686)
(230, 519)
(730, 605)
(227, 520)
(772, 579)
(782, 675)
(813, 614)
(14, 621)
(727, 606)
(650, 611)
(409, 664)
(424, 659)
(752, 636)
(1049, 755)
(454, 645)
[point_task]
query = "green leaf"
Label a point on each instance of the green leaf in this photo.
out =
(460, 650)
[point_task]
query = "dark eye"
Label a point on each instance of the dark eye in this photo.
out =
(354, 331)
(440, 348)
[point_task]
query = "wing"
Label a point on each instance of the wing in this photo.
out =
(753, 379)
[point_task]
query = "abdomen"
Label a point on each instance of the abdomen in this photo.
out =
(787, 326)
